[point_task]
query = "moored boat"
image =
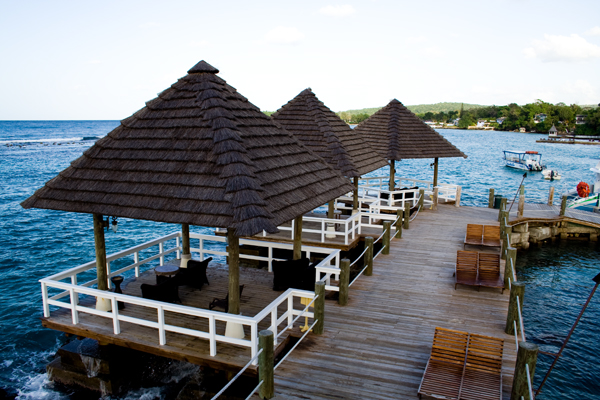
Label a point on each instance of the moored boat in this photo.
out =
(526, 160)
(586, 197)
(551, 174)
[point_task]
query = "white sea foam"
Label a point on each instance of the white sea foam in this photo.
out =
(38, 387)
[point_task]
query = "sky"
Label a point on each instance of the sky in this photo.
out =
(73, 60)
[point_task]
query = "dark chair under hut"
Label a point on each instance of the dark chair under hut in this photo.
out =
(223, 303)
(297, 274)
(195, 273)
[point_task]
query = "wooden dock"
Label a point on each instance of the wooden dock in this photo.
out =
(546, 213)
(377, 346)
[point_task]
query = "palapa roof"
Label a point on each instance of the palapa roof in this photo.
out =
(322, 131)
(202, 154)
(396, 133)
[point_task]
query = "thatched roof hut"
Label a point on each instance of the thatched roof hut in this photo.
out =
(396, 133)
(202, 154)
(322, 131)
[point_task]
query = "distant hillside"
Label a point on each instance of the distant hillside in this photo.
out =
(419, 108)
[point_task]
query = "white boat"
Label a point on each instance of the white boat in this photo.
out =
(587, 199)
(551, 174)
(527, 160)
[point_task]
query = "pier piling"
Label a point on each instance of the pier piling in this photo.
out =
(511, 260)
(319, 308)
(266, 363)
(406, 215)
(521, 201)
(421, 198)
(517, 289)
(526, 356)
(344, 282)
(387, 227)
(399, 222)
(491, 198)
(551, 195)
(369, 254)
(458, 193)
(435, 199)
(563, 206)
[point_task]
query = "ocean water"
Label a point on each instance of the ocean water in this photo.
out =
(38, 243)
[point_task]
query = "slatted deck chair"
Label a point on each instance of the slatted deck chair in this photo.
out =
(443, 374)
(489, 271)
(482, 378)
(474, 235)
(466, 268)
(491, 236)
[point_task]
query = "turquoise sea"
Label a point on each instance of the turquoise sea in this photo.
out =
(38, 243)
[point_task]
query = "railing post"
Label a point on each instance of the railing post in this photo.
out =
(435, 199)
(511, 256)
(517, 289)
(319, 308)
(266, 364)
(45, 300)
(551, 195)
(344, 282)
(406, 215)
(161, 249)
(421, 198)
(491, 198)
(502, 208)
(369, 254)
(387, 227)
(521, 201)
(399, 216)
(563, 206)
(505, 241)
(527, 355)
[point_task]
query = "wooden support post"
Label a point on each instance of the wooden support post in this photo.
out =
(517, 289)
(491, 198)
(458, 193)
(344, 282)
(502, 209)
(406, 215)
(369, 256)
(526, 355)
(387, 227)
(551, 195)
(298, 238)
(319, 308)
(355, 196)
(399, 222)
(511, 254)
(233, 252)
(563, 206)
(435, 172)
(521, 201)
(392, 183)
(330, 209)
(421, 198)
(185, 239)
(505, 241)
(435, 199)
(266, 364)
(100, 246)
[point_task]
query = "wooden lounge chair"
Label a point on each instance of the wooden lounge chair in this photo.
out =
(223, 303)
(491, 236)
(482, 379)
(443, 374)
(474, 235)
(489, 271)
(466, 268)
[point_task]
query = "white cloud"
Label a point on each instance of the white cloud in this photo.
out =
(595, 31)
(432, 52)
(582, 90)
(94, 62)
(338, 11)
(150, 25)
(415, 39)
(284, 35)
(562, 48)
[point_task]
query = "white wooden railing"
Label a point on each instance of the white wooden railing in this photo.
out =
(73, 290)
(372, 186)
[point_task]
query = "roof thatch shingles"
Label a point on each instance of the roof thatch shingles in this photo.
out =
(322, 131)
(201, 154)
(396, 133)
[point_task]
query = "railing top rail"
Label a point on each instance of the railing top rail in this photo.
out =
(238, 375)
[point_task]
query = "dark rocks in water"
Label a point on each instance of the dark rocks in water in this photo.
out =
(5, 395)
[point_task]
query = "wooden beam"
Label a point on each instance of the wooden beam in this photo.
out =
(266, 364)
(355, 196)
(330, 209)
(435, 172)
(298, 238)
(233, 251)
(100, 246)
(185, 238)
(392, 175)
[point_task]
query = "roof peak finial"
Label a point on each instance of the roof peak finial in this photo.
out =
(203, 66)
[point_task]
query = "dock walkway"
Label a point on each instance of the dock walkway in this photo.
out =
(377, 346)
(535, 211)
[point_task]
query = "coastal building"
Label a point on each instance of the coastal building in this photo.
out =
(580, 119)
(500, 120)
(553, 132)
(396, 134)
(539, 118)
